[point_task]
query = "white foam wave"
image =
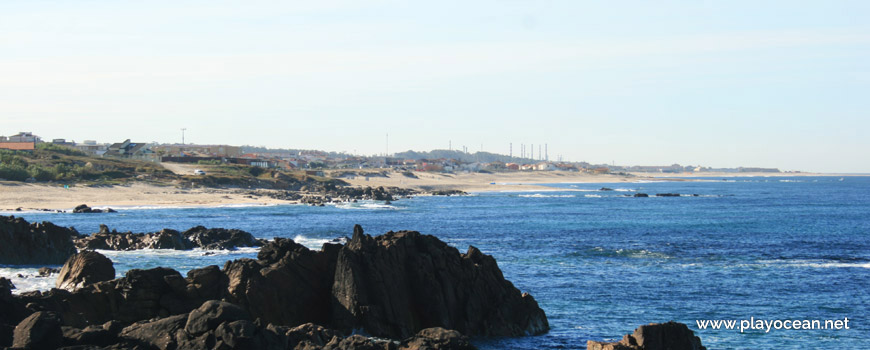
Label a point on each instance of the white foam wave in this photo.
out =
(127, 255)
(823, 264)
(540, 195)
(624, 190)
(592, 196)
(27, 279)
(310, 243)
(366, 205)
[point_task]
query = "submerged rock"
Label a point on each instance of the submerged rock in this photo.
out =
(25, 243)
(654, 336)
(667, 194)
(83, 269)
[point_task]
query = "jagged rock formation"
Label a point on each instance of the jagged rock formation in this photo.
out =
(25, 243)
(654, 336)
(83, 269)
(220, 238)
(398, 286)
(199, 236)
(399, 283)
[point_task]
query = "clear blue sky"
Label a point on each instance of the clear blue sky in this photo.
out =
(717, 83)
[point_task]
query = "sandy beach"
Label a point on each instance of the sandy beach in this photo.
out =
(15, 195)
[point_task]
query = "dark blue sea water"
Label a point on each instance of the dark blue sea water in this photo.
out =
(600, 263)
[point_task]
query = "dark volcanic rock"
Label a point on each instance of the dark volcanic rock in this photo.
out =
(11, 312)
(310, 335)
(85, 209)
(667, 194)
(102, 335)
(26, 243)
(215, 325)
(211, 314)
(284, 268)
(207, 238)
(41, 330)
(641, 195)
(654, 336)
(220, 238)
(6, 286)
(399, 283)
(437, 338)
(166, 239)
(47, 271)
(83, 269)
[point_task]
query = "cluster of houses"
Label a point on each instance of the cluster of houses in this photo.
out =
(292, 160)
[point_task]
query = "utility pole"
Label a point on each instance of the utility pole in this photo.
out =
(533, 152)
(182, 135)
(511, 150)
(546, 153)
(388, 145)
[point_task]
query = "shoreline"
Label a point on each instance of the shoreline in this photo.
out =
(46, 197)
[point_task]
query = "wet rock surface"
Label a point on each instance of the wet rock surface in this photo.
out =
(85, 268)
(290, 297)
(85, 209)
(654, 336)
(196, 237)
(25, 243)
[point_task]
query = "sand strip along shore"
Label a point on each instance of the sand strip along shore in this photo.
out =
(46, 196)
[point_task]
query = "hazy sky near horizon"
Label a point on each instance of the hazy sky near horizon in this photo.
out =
(716, 83)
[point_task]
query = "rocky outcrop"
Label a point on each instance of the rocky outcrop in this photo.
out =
(139, 295)
(284, 267)
(654, 336)
(11, 312)
(41, 330)
(206, 238)
(399, 283)
(220, 238)
(83, 269)
(6, 286)
(25, 243)
(46, 271)
(667, 194)
(85, 209)
(437, 338)
(641, 195)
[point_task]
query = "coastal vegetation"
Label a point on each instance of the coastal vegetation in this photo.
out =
(50, 162)
(64, 165)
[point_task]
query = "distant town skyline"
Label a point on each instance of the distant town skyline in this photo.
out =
(779, 84)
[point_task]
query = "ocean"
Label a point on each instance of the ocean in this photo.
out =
(600, 263)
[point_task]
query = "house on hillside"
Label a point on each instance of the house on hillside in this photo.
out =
(131, 150)
(22, 141)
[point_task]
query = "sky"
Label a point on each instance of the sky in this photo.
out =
(782, 84)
